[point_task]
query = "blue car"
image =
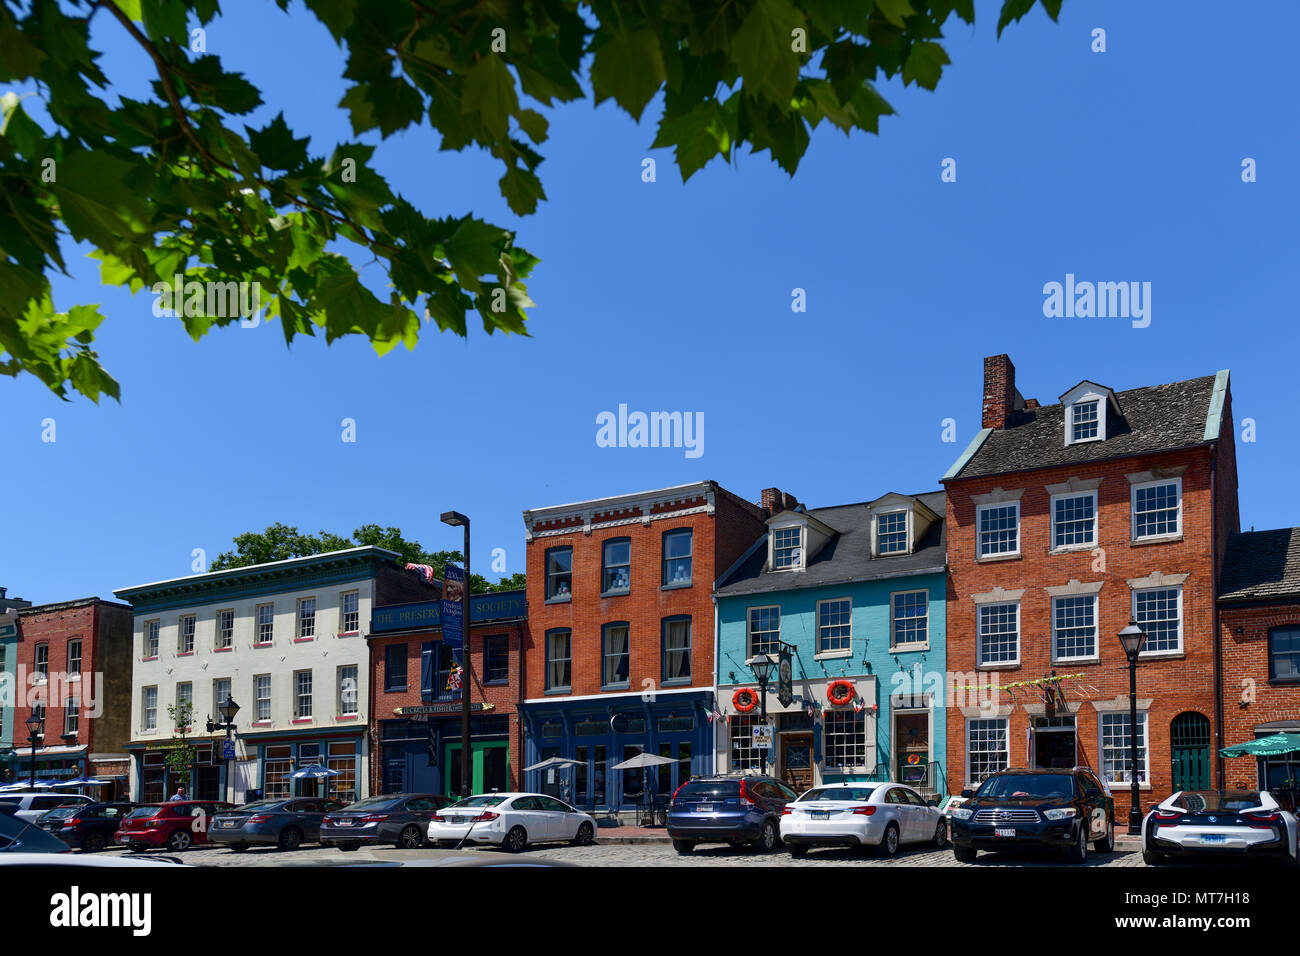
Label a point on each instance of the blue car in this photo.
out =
(286, 823)
(738, 810)
(88, 827)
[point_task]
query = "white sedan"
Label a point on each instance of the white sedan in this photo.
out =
(884, 815)
(1204, 823)
(511, 820)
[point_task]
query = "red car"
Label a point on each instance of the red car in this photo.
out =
(177, 825)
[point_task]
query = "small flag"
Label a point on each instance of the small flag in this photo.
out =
(857, 705)
(453, 679)
(424, 571)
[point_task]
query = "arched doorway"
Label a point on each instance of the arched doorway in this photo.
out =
(1189, 750)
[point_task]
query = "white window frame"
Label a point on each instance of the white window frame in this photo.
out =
(344, 612)
(71, 716)
(971, 782)
(1096, 522)
(1144, 722)
(980, 553)
(1096, 627)
(184, 646)
(301, 619)
(1090, 399)
(858, 723)
(821, 651)
(979, 636)
(259, 623)
(299, 696)
(341, 676)
(189, 698)
(41, 668)
(907, 532)
(749, 630)
(149, 708)
(217, 699)
(893, 620)
(149, 637)
(74, 663)
(258, 698)
(801, 547)
(1182, 614)
(1177, 482)
(217, 638)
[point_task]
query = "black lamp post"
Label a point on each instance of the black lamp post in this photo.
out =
(762, 665)
(458, 520)
(1133, 638)
(228, 711)
(35, 728)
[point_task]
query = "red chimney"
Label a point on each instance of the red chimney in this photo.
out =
(774, 501)
(999, 390)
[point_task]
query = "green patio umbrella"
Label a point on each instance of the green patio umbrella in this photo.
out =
(1275, 745)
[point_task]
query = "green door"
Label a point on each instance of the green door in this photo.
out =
(1189, 747)
(489, 769)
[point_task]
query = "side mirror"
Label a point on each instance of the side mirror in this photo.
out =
(968, 793)
(932, 802)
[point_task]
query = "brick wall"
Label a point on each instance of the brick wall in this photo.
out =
(1244, 634)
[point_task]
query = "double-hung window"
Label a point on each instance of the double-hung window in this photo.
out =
(185, 634)
(1085, 420)
(844, 736)
(302, 695)
(1284, 654)
(987, 747)
(998, 529)
(347, 695)
(911, 617)
(350, 612)
(496, 659)
(999, 633)
(1116, 757)
(835, 626)
(265, 623)
(220, 691)
(225, 629)
(891, 533)
(149, 708)
(1159, 611)
(151, 638)
(787, 548)
(1074, 627)
(614, 655)
(616, 566)
(559, 659)
(395, 667)
(1074, 520)
(764, 630)
(74, 659)
(306, 618)
(678, 546)
(42, 663)
(676, 649)
(262, 696)
(1157, 509)
(559, 574)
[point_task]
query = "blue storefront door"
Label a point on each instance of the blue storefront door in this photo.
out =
(407, 769)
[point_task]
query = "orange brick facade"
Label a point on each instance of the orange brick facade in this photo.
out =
(1251, 699)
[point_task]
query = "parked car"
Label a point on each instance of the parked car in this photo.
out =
(512, 821)
(31, 806)
(177, 825)
(728, 809)
(24, 839)
(89, 827)
(401, 819)
(1053, 809)
(286, 823)
(882, 815)
(1216, 823)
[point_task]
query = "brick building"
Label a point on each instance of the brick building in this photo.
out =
(1064, 521)
(74, 663)
(416, 728)
(622, 619)
(1259, 631)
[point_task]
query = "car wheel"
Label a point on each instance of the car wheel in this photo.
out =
(178, 841)
(1079, 852)
(347, 847)
(766, 838)
(586, 835)
(93, 843)
(1152, 858)
(1107, 843)
(516, 839)
(941, 834)
(796, 849)
(889, 842)
(410, 839)
(965, 854)
(290, 838)
(683, 846)
(238, 847)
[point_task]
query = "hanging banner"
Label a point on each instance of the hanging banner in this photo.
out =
(784, 677)
(453, 612)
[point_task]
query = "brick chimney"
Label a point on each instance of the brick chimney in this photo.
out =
(999, 390)
(774, 501)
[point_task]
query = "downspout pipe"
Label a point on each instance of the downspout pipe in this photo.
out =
(1218, 638)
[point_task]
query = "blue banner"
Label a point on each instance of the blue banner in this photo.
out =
(427, 615)
(453, 611)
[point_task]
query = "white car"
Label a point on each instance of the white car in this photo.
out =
(511, 820)
(884, 815)
(31, 805)
(1204, 823)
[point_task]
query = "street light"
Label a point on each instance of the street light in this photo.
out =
(35, 727)
(1133, 639)
(227, 709)
(762, 665)
(457, 520)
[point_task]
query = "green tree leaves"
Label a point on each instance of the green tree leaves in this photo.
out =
(167, 187)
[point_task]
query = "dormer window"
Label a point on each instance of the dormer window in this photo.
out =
(891, 533)
(1083, 421)
(787, 548)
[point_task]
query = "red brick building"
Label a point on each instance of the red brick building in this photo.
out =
(622, 620)
(1259, 630)
(1064, 522)
(416, 724)
(74, 662)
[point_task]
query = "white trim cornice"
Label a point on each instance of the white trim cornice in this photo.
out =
(998, 496)
(1075, 587)
(998, 595)
(1156, 580)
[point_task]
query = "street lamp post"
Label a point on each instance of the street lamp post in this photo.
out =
(455, 519)
(1132, 639)
(227, 709)
(35, 728)
(762, 666)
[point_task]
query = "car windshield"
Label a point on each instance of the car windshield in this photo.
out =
(146, 811)
(370, 803)
(483, 801)
(1045, 786)
(709, 790)
(59, 813)
(855, 794)
(254, 807)
(1197, 801)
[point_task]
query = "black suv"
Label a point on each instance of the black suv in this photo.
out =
(1063, 809)
(728, 809)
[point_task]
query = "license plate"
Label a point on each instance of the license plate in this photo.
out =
(1004, 832)
(343, 823)
(704, 808)
(455, 819)
(821, 814)
(1213, 838)
(227, 823)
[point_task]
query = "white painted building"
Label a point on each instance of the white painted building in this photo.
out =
(286, 640)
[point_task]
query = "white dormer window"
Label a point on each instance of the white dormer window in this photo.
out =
(891, 533)
(787, 548)
(1084, 425)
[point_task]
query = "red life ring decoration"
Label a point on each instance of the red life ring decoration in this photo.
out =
(744, 700)
(840, 692)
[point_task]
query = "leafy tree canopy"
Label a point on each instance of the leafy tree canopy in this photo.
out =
(279, 542)
(174, 184)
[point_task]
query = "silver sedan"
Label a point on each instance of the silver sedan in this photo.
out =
(883, 815)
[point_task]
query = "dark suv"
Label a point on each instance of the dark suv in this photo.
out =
(1053, 809)
(728, 809)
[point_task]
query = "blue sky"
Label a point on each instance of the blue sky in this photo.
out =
(662, 296)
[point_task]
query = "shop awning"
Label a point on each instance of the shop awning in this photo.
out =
(1274, 745)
